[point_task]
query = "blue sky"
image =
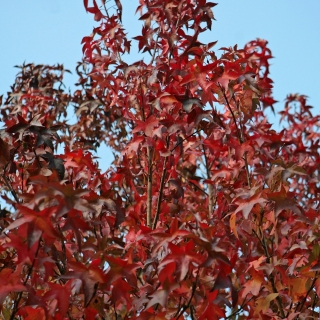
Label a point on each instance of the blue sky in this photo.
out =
(48, 32)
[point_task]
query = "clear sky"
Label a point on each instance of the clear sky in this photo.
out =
(48, 32)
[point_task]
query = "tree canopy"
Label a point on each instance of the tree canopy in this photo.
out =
(206, 212)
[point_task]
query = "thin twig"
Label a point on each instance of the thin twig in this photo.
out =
(272, 280)
(241, 141)
(240, 308)
(307, 294)
(314, 303)
(150, 160)
(239, 134)
(271, 276)
(149, 188)
(247, 169)
(16, 303)
(37, 158)
(210, 191)
(185, 307)
(233, 116)
(155, 47)
(181, 141)
(13, 192)
(163, 176)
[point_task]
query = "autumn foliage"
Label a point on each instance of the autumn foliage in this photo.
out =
(207, 212)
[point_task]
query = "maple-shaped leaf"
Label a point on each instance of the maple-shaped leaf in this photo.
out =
(283, 201)
(38, 223)
(72, 197)
(94, 10)
(77, 224)
(263, 303)
(90, 276)
(188, 104)
(8, 284)
(223, 281)
(246, 205)
(212, 311)
(162, 293)
(30, 313)
(147, 126)
(133, 145)
(55, 163)
(61, 293)
(183, 256)
(121, 292)
(121, 268)
(24, 255)
(19, 127)
(115, 209)
(254, 284)
(170, 235)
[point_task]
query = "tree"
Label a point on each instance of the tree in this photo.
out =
(207, 212)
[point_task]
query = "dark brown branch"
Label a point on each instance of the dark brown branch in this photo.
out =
(163, 176)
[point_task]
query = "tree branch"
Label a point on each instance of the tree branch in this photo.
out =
(149, 188)
(210, 190)
(271, 278)
(239, 134)
(163, 176)
(13, 192)
(16, 303)
(185, 307)
(307, 294)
